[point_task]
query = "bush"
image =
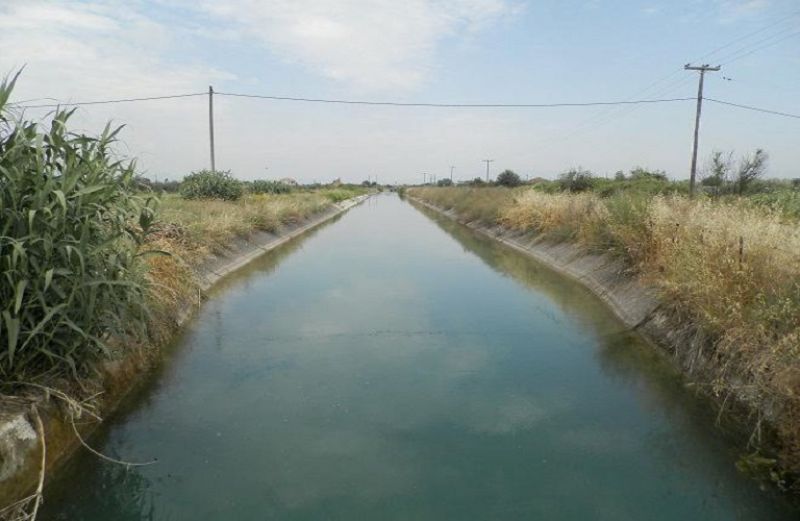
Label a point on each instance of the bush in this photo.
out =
(642, 173)
(444, 182)
(576, 180)
(207, 184)
(70, 225)
(262, 186)
(508, 178)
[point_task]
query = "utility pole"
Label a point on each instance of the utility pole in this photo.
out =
(487, 161)
(423, 177)
(451, 174)
(702, 69)
(211, 125)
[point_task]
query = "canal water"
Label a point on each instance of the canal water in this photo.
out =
(393, 365)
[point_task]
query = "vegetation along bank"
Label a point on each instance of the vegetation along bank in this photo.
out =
(714, 279)
(99, 268)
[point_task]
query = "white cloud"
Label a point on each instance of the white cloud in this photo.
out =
(77, 51)
(381, 44)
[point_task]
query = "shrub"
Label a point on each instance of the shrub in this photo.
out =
(750, 169)
(263, 186)
(444, 182)
(642, 173)
(576, 180)
(508, 178)
(70, 225)
(207, 184)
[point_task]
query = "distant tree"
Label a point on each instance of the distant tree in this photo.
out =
(508, 178)
(444, 182)
(477, 182)
(619, 175)
(643, 173)
(719, 170)
(796, 183)
(575, 180)
(146, 184)
(751, 167)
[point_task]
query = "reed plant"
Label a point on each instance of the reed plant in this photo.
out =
(71, 230)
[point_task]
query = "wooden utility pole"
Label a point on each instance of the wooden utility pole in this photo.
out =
(451, 174)
(487, 161)
(211, 125)
(702, 69)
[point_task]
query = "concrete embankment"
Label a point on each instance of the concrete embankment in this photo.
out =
(639, 307)
(20, 443)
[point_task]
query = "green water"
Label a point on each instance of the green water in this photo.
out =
(395, 366)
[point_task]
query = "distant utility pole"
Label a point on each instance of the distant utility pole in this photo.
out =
(487, 161)
(211, 125)
(423, 177)
(451, 174)
(702, 69)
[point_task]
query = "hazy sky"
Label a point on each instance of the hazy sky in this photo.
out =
(460, 51)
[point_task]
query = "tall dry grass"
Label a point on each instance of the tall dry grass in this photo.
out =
(729, 268)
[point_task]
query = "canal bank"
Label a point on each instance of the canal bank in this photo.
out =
(21, 443)
(397, 366)
(639, 307)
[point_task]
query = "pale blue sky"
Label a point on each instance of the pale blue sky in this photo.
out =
(463, 51)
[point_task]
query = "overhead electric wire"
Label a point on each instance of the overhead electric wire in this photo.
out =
(451, 105)
(757, 109)
(420, 104)
(735, 57)
(748, 35)
(104, 102)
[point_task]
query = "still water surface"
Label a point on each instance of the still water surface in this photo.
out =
(393, 365)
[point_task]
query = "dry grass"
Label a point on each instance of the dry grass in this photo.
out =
(192, 230)
(207, 226)
(729, 268)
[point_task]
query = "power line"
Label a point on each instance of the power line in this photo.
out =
(103, 102)
(753, 33)
(757, 109)
(735, 57)
(451, 105)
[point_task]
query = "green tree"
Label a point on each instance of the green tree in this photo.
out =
(508, 178)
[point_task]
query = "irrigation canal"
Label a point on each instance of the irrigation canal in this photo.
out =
(393, 365)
